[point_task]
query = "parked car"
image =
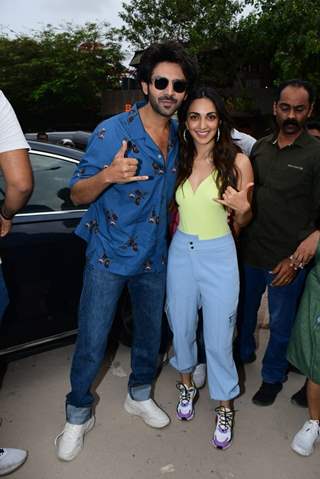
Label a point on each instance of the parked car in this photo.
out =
(72, 139)
(43, 259)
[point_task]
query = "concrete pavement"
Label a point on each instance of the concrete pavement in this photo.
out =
(123, 447)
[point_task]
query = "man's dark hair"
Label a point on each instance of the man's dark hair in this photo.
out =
(172, 52)
(298, 84)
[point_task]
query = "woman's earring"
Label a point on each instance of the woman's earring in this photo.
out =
(184, 134)
(218, 135)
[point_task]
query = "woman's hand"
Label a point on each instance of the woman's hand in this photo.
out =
(237, 200)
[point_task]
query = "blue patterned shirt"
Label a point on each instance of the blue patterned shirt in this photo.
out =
(126, 226)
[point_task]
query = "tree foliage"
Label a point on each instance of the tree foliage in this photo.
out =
(55, 77)
(287, 34)
(283, 35)
(194, 22)
(204, 26)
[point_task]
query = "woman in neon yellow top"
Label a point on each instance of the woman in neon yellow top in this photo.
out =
(213, 188)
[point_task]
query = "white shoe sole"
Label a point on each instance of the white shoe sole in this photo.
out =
(302, 452)
(68, 458)
(13, 467)
(157, 424)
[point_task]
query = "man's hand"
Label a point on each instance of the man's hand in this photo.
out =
(285, 273)
(123, 170)
(5, 226)
(305, 251)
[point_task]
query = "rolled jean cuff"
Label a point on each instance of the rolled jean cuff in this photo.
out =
(274, 379)
(78, 415)
(140, 393)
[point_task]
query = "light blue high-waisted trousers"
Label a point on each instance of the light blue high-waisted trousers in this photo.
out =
(204, 273)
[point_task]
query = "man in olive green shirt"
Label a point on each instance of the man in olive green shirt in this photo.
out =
(282, 238)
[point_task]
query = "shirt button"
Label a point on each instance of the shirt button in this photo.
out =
(160, 157)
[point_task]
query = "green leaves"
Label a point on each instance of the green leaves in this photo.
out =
(280, 37)
(56, 75)
(286, 33)
(206, 27)
(148, 21)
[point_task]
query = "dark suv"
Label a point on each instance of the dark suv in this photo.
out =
(43, 259)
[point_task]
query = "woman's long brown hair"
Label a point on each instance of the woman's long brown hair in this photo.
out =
(224, 151)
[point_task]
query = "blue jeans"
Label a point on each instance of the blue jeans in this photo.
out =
(100, 294)
(283, 303)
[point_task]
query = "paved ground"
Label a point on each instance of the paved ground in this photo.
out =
(122, 447)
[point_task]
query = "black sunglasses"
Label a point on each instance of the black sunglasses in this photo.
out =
(161, 83)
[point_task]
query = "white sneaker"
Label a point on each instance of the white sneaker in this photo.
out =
(222, 437)
(70, 441)
(187, 399)
(11, 459)
(199, 375)
(148, 411)
(305, 439)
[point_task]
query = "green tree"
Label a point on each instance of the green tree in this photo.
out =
(280, 35)
(284, 33)
(208, 29)
(55, 77)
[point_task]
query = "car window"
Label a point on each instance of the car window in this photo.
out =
(51, 179)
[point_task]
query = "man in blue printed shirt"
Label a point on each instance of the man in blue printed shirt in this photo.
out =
(128, 175)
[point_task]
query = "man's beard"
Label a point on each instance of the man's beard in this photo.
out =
(166, 112)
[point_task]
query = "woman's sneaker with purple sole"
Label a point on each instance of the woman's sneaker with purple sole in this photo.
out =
(222, 437)
(187, 398)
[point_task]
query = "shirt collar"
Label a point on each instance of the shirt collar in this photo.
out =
(133, 120)
(136, 128)
(302, 140)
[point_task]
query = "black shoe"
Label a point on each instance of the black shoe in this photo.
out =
(266, 394)
(300, 397)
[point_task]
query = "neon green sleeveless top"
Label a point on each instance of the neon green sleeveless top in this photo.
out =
(199, 214)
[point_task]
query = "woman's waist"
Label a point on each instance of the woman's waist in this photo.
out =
(203, 227)
(194, 240)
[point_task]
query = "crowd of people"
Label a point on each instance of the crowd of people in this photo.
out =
(241, 226)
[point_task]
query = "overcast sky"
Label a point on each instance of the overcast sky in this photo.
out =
(23, 15)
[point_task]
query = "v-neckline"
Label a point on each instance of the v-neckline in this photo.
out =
(201, 182)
